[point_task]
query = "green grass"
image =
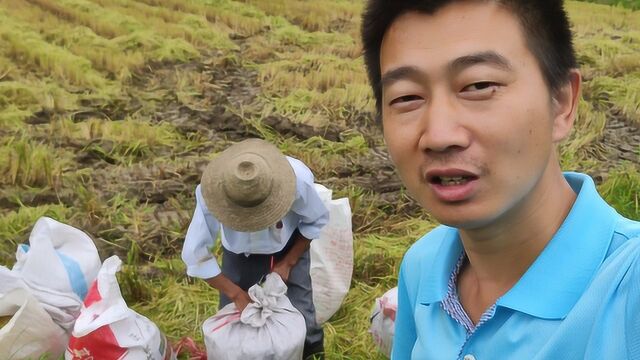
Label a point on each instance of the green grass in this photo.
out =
(622, 190)
(15, 226)
(28, 46)
(27, 162)
(632, 4)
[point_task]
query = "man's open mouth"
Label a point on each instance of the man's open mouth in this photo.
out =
(451, 180)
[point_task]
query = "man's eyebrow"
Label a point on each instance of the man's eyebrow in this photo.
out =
(400, 73)
(490, 58)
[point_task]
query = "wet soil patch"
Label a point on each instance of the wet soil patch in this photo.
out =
(620, 143)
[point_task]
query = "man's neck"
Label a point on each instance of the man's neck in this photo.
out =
(498, 255)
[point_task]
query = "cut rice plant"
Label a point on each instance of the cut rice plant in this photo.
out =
(379, 256)
(189, 89)
(312, 72)
(622, 190)
(319, 148)
(322, 155)
(73, 12)
(627, 98)
(125, 31)
(193, 29)
(103, 54)
(25, 45)
(198, 31)
(607, 54)
(626, 64)
(119, 223)
(582, 146)
(631, 4)
(157, 47)
(30, 90)
(621, 93)
(312, 15)
(300, 103)
(240, 18)
(121, 142)
(80, 40)
(7, 68)
(588, 19)
(35, 96)
(606, 38)
(286, 34)
(177, 304)
(51, 100)
(347, 332)
(29, 163)
(131, 130)
(12, 117)
(15, 227)
(15, 93)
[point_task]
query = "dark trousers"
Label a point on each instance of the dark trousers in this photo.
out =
(246, 271)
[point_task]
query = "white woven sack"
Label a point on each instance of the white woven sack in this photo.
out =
(30, 333)
(269, 328)
(108, 330)
(383, 318)
(57, 267)
(332, 257)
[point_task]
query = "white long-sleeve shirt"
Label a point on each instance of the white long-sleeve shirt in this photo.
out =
(307, 214)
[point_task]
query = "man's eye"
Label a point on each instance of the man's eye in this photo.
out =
(482, 85)
(482, 90)
(405, 99)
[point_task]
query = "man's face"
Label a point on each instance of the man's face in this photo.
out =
(467, 116)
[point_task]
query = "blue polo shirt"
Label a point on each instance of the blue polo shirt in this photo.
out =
(580, 299)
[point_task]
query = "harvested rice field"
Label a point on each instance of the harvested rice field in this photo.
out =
(111, 109)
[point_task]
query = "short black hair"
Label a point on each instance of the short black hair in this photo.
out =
(544, 22)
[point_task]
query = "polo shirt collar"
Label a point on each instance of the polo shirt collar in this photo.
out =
(433, 287)
(560, 274)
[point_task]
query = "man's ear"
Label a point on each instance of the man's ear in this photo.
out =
(565, 106)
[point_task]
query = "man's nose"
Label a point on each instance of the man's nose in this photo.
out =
(443, 128)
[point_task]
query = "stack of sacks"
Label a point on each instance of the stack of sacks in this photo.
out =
(383, 318)
(108, 330)
(268, 328)
(41, 296)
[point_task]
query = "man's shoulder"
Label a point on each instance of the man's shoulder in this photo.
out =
(628, 228)
(621, 269)
(622, 274)
(301, 170)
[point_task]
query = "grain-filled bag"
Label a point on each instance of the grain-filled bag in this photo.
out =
(383, 318)
(269, 328)
(26, 329)
(57, 267)
(108, 330)
(332, 257)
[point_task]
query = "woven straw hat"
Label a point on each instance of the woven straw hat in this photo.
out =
(249, 186)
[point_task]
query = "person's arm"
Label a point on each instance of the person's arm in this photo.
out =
(222, 283)
(310, 208)
(300, 245)
(196, 254)
(313, 217)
